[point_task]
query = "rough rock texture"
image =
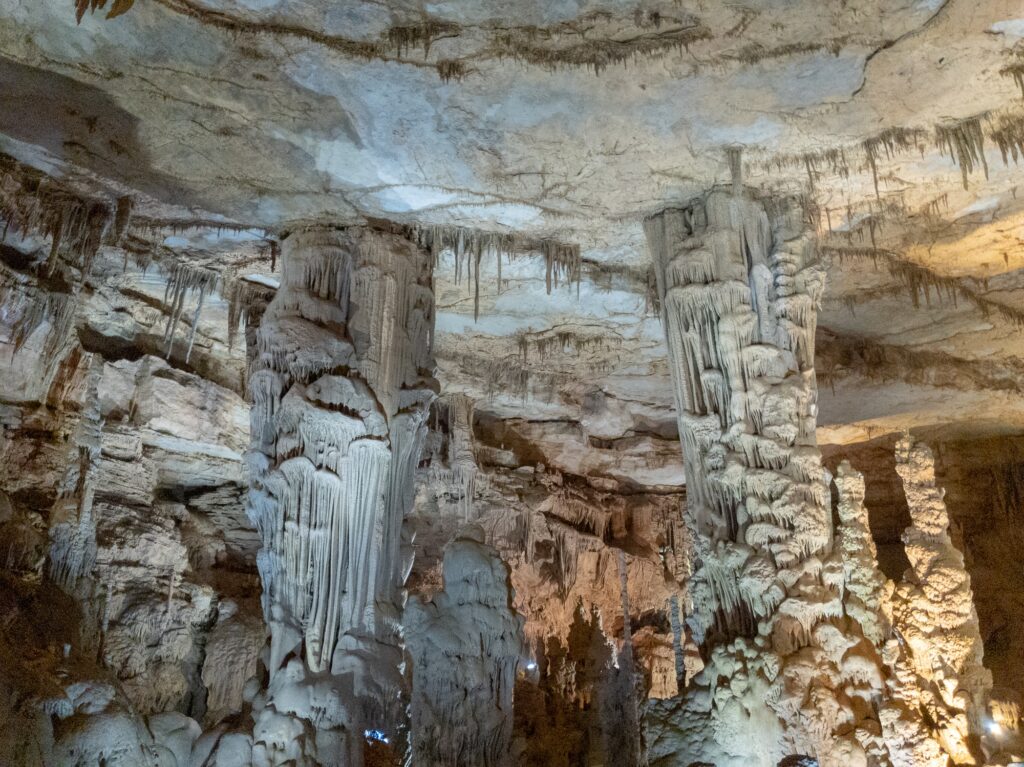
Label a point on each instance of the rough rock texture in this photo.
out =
(151, 162)
(740, 282)
(123, 477)
(868, 593)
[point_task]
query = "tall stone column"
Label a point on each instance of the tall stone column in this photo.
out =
(740, 282)
(340, 393)
(933, 609)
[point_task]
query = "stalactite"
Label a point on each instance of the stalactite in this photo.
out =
(1008, 134)
(1015, 69)
(122, 218)
(894, 142)
(544, 344)
(244, 296)
(462, 449)
(73, 531)
(567, 506)
(182, 280)
(341, 391)
(32, 203)
(920, 282)
(33, 310)
(561, 260)
(594, 54)
(965, 143)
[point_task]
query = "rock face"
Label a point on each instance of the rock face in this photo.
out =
(341, 391)
(239, 240)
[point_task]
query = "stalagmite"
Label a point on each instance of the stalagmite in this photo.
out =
(466, 646)
(868, 593)
(740, 282)
(340, 396)
(621, 696)
(933, 611)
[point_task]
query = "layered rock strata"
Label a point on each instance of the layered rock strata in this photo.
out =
(340, 395)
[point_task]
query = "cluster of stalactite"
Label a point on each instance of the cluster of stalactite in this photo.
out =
(340, 398)
(740, 282)
(963, 141)
(33, 203)
(469, 246)
(76, 225)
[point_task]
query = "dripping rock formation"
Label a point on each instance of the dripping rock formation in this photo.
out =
(541, 384)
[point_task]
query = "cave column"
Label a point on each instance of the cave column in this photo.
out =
(933, 608)
(740, 281)
(341, 387)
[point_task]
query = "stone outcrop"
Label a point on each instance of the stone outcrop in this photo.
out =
(933, 611)
(868, 597)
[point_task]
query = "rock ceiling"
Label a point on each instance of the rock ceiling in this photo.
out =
(899, 124)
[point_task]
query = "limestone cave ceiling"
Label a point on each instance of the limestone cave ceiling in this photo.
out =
(899, 125)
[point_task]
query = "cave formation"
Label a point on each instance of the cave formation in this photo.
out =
(489, 384)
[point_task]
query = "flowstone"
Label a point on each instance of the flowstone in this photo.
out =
(341, 387)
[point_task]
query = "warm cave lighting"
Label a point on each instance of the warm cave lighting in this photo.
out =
(377, 735)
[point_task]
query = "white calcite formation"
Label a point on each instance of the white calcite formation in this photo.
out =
(740, 282)
(466, 646)
(934, 614)
(340, 397)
